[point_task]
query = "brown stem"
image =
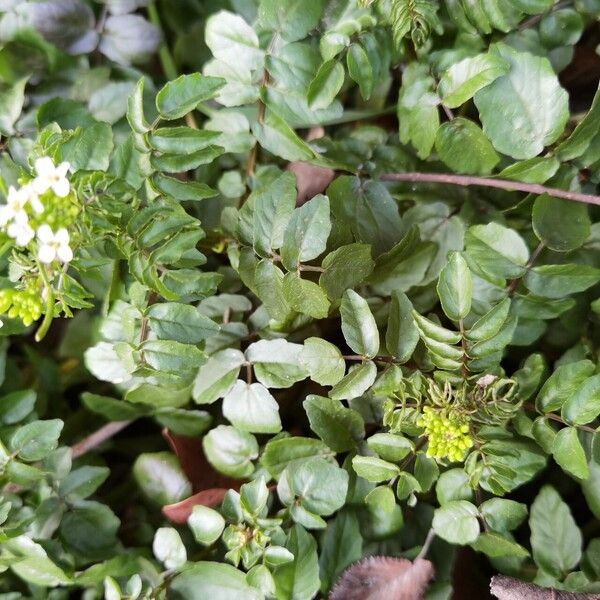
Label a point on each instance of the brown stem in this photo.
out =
(97, 438)
(512, 286)
(503, 184)
(558, 419)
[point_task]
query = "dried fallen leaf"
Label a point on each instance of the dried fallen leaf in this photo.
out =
(179, 512)
(507, 588)
(384, 578)
(310, 180)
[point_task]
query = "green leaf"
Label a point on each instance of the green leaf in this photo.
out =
(345, 268)
(342, 544)
(502, 514)
(360, 69)
(35, 440)
(299, 579)
(181, 140)
(455, 288)
(490, 324)
(168, 548)
(466, 77)
(326, 84)
(269, 288)
(402, 335)
(293, 19)
(368, 209)
(456, 522)
(89, 529)
(181, 190)
(233, 41)
(182, 95)
(171, 357)
(497, 250)
(230, 450)
(83, 482)
(216, 377)
(14, 407)
(562, 384)
(218, 581)
(453, 485)
(135, 109)
(463, 147)
(339, 427)
(557, 281)
(276, 362)
(418, 109)
(583, 405)
(561, 225)
(176, 163)
(374, 469)
(111, 409)
(276, 136)
(89, 148)
(315, 484)
(358, 325)
(555, 538)
(390, 446)
(583, 135)
(532, 170)
(33, 564)
(306, 235)
(496, 545)
(11, 105)
(323, 361)
(284, 451)
(274, 205)
(434, 332)
(358, 380)
(250, 407)
(161, 478)
(569, 454)
(206, 524)
(180, 322)
(305, 297)
(526, 109)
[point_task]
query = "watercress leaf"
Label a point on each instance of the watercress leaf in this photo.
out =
(526, 109)
(250, 407)
(358, 325)
(306, 235)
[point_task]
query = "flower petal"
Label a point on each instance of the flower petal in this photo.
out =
(61, 187)
(63, 169)
(62, 237)
(44, 166)
(40, 185)
(46, 253)
(65, 254)
(44, 234)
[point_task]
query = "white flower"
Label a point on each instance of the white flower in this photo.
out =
(49, 176)
(53, 245)
(14, 209)
(20, 232)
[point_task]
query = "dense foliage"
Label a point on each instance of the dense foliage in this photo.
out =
(248, 339)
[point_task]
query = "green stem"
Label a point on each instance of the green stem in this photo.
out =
(43, 329)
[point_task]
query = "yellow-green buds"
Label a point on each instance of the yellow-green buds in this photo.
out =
(447, 433)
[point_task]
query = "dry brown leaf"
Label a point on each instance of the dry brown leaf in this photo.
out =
(507, 588)
(180, 511)
(384, 578)
(310, 180)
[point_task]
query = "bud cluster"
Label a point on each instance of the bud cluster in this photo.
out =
(447, 433)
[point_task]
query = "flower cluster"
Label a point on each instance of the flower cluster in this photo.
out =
(36, 218)
(41, 210)
(447, 433)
